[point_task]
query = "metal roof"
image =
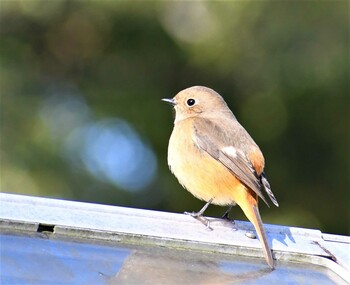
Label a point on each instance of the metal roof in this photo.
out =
(64, 242)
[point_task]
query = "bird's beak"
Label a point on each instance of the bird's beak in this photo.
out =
(170, 101)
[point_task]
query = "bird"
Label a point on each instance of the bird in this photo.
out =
(215, 159)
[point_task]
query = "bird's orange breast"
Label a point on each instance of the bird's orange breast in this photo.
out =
(201, 174)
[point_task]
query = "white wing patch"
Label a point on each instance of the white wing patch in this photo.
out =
(230, 150)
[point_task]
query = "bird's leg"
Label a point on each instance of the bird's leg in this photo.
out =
(199, 215)
(201, 212)
(226, 216)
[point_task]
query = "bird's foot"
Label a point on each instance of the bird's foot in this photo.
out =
(194, 214)
(226, 216)
(199, 216)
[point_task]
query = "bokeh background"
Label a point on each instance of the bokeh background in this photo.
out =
(81, 83)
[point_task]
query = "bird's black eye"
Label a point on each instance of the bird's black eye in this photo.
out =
(190, 102)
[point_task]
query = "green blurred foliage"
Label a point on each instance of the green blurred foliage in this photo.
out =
(283, 68)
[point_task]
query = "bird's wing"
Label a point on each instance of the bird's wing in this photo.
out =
(218, 143)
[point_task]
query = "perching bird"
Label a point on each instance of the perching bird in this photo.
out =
(215, 158)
